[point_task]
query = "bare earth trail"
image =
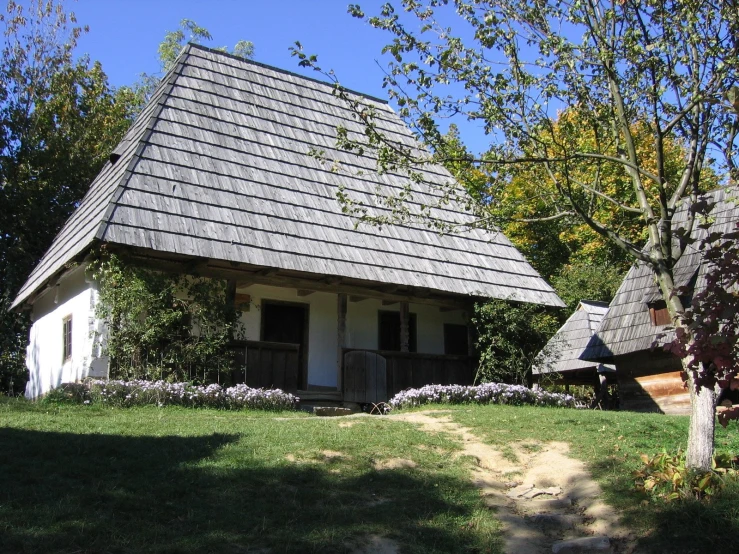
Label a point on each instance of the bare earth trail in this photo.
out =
(546, 501)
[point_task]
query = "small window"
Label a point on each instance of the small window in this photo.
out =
(658, 313)
(455, 339)
(389, 332)
(67, 338)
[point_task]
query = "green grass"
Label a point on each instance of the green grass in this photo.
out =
(610, 443)
(89, 479)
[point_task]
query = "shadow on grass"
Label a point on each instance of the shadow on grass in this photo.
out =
(65, 492)
(678, 526)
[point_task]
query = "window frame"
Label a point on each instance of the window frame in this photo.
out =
(67, 338)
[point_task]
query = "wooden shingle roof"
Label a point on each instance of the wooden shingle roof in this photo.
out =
(218, 166)
(562, 352)
(627, 326)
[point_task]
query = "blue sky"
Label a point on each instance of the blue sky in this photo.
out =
(124, 35)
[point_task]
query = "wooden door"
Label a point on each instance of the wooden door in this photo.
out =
(288, 323)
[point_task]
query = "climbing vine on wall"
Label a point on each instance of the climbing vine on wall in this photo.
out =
(162, 325)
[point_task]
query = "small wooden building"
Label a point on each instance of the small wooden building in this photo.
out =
(217, 177)
(561, 355)
(637, 324)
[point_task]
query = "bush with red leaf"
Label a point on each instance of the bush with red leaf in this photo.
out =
(713, 319)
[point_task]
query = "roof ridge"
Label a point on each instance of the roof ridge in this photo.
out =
(166, 84)
(284, 71)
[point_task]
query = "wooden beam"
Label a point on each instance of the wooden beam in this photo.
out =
(246, 276)
(196, 265)
(389, 302)
(404, 327)
(444, 309)
(356, 298)
(305, 292)
(341, 338)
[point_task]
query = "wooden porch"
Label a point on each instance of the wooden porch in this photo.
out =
(368, 375)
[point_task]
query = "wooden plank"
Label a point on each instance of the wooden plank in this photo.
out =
(354, 389)
(438, 372)
(418, 375)
(279, 369)
(266, 377)
(252, 367)
(382, 390)
(348, 388)
(370, 384)
(292, 362)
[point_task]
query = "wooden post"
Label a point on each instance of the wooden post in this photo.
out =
(404, 328)
(341, 339)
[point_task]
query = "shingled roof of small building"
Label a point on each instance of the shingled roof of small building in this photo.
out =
(562, 352)
(217, 166)
(627, 327)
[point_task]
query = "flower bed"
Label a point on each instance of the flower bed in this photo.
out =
(487, 393)
(161, 393)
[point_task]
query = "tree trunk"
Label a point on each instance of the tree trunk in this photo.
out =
(702, 425)
(702, 403)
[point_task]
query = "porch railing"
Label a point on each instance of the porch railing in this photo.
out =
(262, 364)
(403, 370)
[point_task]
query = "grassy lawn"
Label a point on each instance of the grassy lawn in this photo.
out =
(89, 479)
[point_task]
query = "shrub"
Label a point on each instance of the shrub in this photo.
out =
(161, 393)
(164, 326)
(487, 393)
(665, 476)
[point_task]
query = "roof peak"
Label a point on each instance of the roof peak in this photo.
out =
(191, 45)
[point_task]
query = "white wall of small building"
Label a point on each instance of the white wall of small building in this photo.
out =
(362, 328)
(72, 297)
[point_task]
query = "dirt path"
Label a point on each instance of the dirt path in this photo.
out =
(546, 501)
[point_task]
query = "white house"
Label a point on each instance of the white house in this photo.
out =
(216, 178)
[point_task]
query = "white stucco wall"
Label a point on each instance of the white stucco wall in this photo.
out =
(361, 326)
(44, 355)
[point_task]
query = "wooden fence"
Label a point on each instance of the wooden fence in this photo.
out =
(266, 364)
(377, 375)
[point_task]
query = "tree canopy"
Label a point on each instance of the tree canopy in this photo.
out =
(60, 119)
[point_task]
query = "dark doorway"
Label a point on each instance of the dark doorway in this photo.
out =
(455, 339)
(288, 323)
(389, 331)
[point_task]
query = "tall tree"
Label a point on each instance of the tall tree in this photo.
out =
(59, 120)
(670, 65)
(172, 45)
